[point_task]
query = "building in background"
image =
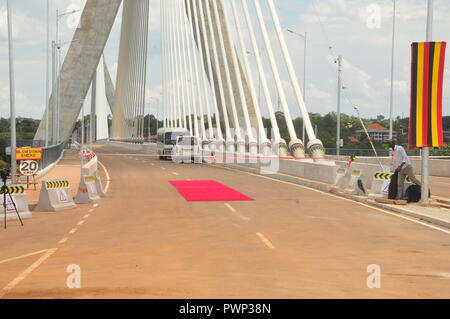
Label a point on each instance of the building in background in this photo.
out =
(377, 132)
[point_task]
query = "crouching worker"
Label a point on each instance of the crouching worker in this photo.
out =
(404, 168)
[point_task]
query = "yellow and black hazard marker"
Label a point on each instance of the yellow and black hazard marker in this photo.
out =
(386, 176)
(57, 184)
(383, 176)
(13, 190)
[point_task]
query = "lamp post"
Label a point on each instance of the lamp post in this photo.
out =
(47, 78)
(12, 94)
(426, 150)
(304, 36)
(391, 128)
(338, 133)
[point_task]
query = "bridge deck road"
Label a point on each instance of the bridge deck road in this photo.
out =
(145, 241)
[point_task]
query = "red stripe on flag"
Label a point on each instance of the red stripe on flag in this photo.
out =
(440, 87)
(425, 111)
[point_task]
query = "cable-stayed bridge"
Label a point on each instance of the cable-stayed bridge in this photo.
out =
(207, 78)
(260, 217)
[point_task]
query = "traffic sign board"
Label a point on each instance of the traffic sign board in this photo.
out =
(28, 153)
(29, 168)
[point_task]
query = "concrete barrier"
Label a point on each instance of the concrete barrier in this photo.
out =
(55, 196)
(353, 187)
(339, 181)
(20, 199)
(380, 185)
(87, 191)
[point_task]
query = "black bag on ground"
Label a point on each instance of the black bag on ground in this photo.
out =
(393, 186)
(413, 194)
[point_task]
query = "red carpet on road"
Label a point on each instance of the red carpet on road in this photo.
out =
(207, 191)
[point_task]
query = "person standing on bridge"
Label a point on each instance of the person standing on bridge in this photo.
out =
(404, 168)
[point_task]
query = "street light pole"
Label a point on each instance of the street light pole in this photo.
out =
(12, 94)
(391, 108)
(338, 134)
(426, 150)
(47, 78)
(304, 36)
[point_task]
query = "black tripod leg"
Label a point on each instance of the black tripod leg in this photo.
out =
(4, 206)
(15, 208)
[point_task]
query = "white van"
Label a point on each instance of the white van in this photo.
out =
(187, 150)
(167, 139)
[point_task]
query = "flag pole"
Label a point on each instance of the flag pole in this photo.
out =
(426, 150)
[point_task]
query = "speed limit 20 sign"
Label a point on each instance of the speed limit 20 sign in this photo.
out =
(29, 168)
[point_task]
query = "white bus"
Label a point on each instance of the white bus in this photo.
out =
(167, 139)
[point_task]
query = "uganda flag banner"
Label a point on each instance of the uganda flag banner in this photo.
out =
(427, 78)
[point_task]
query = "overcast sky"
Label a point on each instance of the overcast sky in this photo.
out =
(359, 30)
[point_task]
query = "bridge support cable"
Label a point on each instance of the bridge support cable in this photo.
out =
(198, 100)
(252, 143)
(206, 60)
(228, 137)
(181, 79)
(203, 83)
(168, 66)
(170, 69)
(240, 141)
(295, 145)
(174, 92)
(315, 146)
(181, 17)
(279, 145)
(197, 69)
(219, 143)
(132, 64)
(176, 78)
(264, 143)
(146, 8)
(163, 64)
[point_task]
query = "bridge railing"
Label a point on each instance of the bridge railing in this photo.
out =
(51, 154)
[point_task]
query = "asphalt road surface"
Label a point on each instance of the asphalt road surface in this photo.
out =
(145, 241)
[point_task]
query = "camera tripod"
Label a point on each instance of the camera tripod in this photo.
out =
(5, 191)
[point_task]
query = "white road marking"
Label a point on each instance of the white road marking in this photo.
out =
(91, 210)
(95, 205)
(105, 190)
(62, 241)
(265, 240)
(23, 256)
(163, 168)
(27, 271)
(174, 173)
(81, 222)
(236, 213)
(73, 231)
(86, 216)
(349, 200)
(230, 207)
